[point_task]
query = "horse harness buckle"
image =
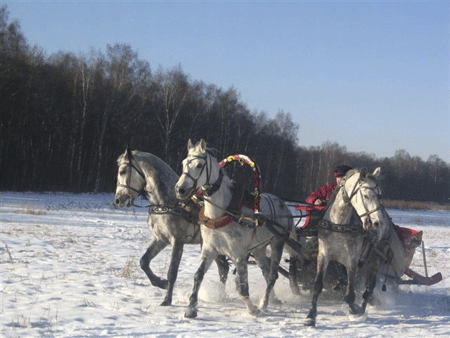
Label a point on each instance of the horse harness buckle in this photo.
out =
(339, 227)
(159, 209)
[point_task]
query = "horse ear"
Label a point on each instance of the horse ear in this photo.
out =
(363, 174)
(128, 151)
(377, 172)
(203, 145)
(190, 145)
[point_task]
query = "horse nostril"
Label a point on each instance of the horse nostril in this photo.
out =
(181, 191)
(117, 201)
(376, 224)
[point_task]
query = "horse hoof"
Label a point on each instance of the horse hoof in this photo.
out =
(275, 301)
(310, 322)
(255, 311)
(263, 304)
(162, 284)
(190, 313)
(166, 302)
(356, 310)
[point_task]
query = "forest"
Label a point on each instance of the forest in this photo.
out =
(66, 118)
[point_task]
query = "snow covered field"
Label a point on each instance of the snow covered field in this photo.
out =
(70, 268)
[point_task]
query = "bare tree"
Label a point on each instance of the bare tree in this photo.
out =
(173, 90)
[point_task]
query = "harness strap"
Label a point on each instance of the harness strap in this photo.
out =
(327, 225)
(213, 189)
(141, 193)
(214, 223)
(176, 209)
(230, 214)
(188, 212)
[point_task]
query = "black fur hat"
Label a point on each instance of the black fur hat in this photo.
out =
(341, 170)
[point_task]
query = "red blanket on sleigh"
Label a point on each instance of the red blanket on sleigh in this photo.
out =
(410, 238)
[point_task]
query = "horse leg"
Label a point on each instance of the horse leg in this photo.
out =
(294, 264)
(322, 264)
(155, 247)
(191, 310)
(371, 280)
(242, 284)
(223, 267)
(264, 264)
(177, 252)
(350, 294)
(277, 250)
(293, 275)
(370, 285)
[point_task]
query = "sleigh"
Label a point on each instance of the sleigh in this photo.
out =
(403, 242)
(302, 242)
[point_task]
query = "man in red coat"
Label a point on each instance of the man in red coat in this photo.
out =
(322, 195)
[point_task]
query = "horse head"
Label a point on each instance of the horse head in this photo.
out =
(361, 190)
(200, 168)
(130, 180)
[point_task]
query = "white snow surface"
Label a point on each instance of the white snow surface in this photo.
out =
(70, 268)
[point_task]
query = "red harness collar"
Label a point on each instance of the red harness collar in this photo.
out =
(214, 223)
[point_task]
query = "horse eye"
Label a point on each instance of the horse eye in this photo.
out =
(366, 197)
(122, 172)
(199, 165)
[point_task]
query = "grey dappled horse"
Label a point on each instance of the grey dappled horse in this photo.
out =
(354, 232)
(235, 240)
(145, 174)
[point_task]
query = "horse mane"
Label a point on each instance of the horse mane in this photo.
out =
(213, 152)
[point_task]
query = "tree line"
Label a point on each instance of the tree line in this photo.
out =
(66, 118)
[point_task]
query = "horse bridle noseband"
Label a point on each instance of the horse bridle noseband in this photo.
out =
(138, 169)
(210, 188)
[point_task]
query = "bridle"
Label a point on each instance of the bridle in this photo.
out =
(357, 189)
(207, 189)
(138, 169)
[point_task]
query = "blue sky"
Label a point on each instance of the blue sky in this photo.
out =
(372, 76)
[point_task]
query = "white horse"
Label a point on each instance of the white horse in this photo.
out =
(146, 174)
(238, 238)
(354, 232)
